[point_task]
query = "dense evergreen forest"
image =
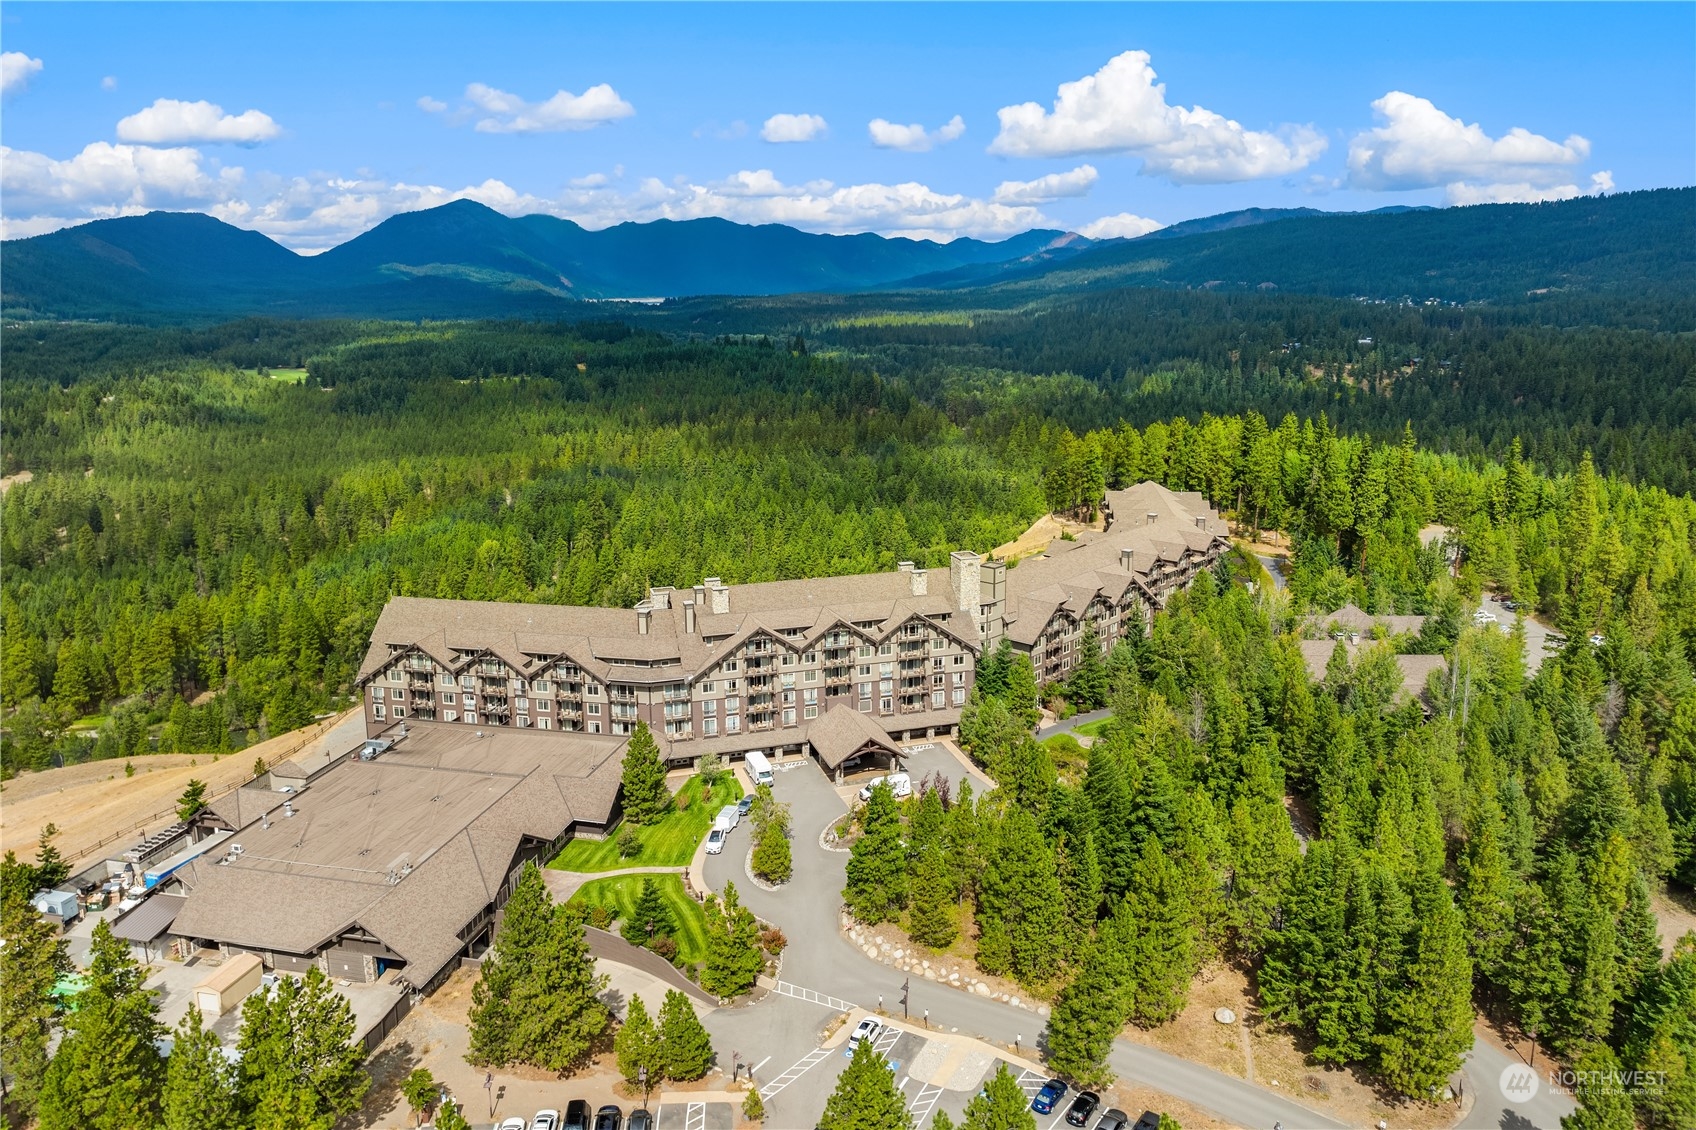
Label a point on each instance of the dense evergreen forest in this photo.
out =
(202, 549)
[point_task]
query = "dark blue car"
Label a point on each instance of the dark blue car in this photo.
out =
(1049, 1097)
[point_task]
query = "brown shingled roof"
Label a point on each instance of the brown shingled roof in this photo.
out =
(843, 732)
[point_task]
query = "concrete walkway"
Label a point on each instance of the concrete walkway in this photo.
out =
(563, 884)
(1071, 724)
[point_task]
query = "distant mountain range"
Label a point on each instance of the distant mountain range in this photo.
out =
(466, 260)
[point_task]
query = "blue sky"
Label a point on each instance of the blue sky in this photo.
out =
(313, 122)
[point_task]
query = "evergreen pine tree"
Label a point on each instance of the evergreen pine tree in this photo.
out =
(50, 867)
(1088, 686)
(649, 919)
(200, 1084)
(734, 955)
(559, 1007)
(877, 865)
(645, 796)
(1603, 1102)
(639, 1044)
(1090, 1010)
(866, 1097)
(1023, 700)
(773, 860)
(106, 1074)
(1428, 1020)
(1080, 880)
(961, 839)
(300, 1062)
(192, 800)
(753, 1107)
(1107, 798)
(1001, 1105)
(1485, 891)
(685, 1048)
(32, 960)
(525, 924)
(930, 911)
(1020, 905)
(1163, 957)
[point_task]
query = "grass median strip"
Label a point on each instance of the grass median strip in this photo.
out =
(620, 892)
(669, 843)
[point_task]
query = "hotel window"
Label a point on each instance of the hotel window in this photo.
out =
(865, 669)
(865, 651)
(621, 727)
(936, 664)
(959, 661)
(730, 664)
(469, 700)
(522, 721)
(811, 698)
(959, 678)
(595, 708)
(709, 708)
(886, 669)
(677, 729)
(810, 657)
(788, 660)
(450, 715)
(865, 690)
(471, 719)
(938, 699)
(886, 706)
(811, 676)
(709, 727)
(400, 712)
(594, 727)
(377, 711)
(516, 686)
(959, 696)
(706, 688)
(523, 705)
(447, 680)
(450, 700)
(377, 694)
(789, 698)
(789, 716)
(466, 682)
(732, 705)
(593, 690)
(886, 649)
(810, 712)
(543, 706)
(884, 686)
(733, 724)
(544, 723)
(394, 675)
(730, 684)
(541, 686)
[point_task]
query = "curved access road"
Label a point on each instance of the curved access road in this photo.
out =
(820, 959)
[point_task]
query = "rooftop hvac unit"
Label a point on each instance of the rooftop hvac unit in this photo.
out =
(288, 808)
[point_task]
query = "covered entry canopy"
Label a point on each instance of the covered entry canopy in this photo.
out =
(844, 734)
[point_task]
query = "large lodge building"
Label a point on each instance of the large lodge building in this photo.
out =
(843, 665)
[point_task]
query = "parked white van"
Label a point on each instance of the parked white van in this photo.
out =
(899, 783)
(759, 768)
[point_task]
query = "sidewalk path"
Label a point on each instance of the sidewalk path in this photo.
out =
(563, 884)
(1071, 724)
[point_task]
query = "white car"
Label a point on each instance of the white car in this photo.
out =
(899, 783)
(715, 840)
(512, 1124)
(545, 1120)
(870, 1028)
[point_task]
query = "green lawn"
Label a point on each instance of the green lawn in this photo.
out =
(621, 892)
(1093, 729)
(669, 843)
(287, 376)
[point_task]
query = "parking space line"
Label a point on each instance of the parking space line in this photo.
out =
(923, 1102)
(695, 1117)
(886, 1040)
(1059, 1113)
(798, 1069)
(785, 988)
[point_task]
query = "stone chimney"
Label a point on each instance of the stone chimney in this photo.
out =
(660, 597)
(1127, 560)
(965, 571)
(919, 582)
(1153, 517)
(1201, 521)
(701, 597)
(644, 614)
(719, 594)
(689, 616)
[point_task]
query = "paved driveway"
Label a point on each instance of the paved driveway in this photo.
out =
(819, 958)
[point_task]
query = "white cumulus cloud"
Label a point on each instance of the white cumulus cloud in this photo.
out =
(1125, 225)
(1420, 146)
(783, 128)
(172, 122)
(431, 105)
(1122, 109)
(914, 138)
(106, 180)
(508, 113)
(1051, 187)
(16, 69)
(110, 82)
(1525, 192)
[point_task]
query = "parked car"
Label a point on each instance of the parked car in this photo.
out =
(1148, 1121)
(715, 840)
(868, 1029)
(1598, 640)
(1049, 1097)
(576, 1115)
(1082, 1107)
(512, 1124)
(640, 1119)
(545, 1120)
(1114, 1119)
(899, 783)
(609, 1117)
(745, 805)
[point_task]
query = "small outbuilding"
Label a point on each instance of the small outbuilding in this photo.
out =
(228, 985)
(59, 905)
